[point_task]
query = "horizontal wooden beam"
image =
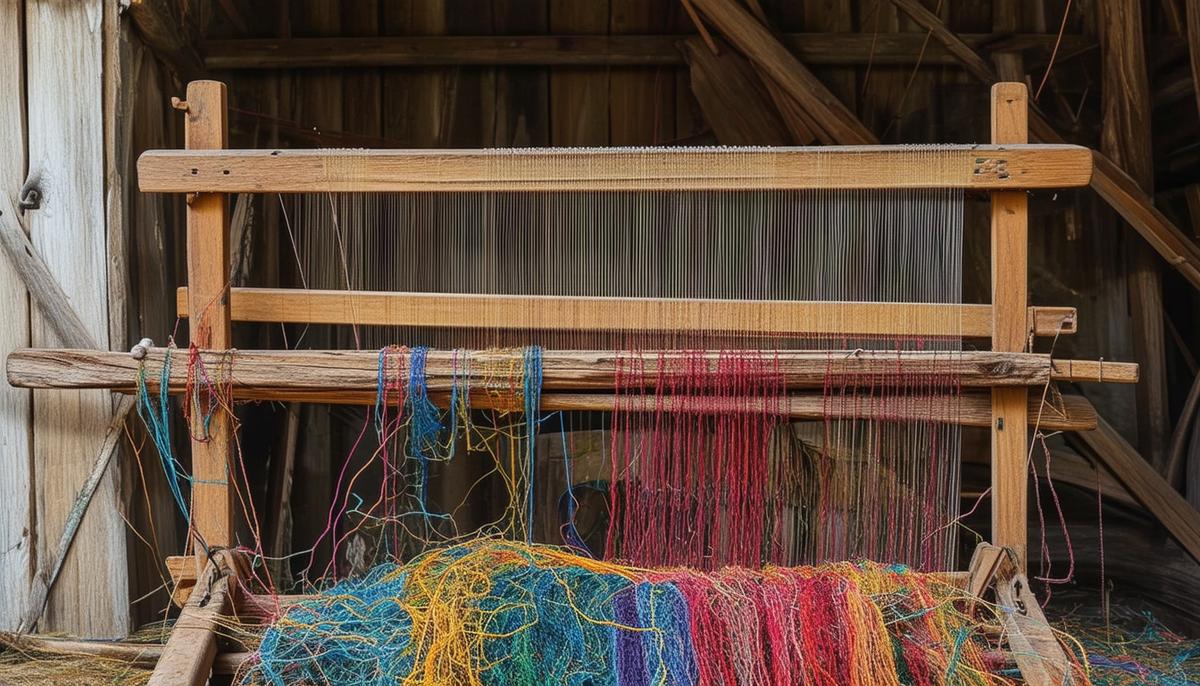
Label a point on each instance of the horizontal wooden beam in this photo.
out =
(979, 167)
(595, 51)
(263, 374)
(561, 313)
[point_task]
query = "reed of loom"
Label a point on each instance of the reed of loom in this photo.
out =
(208, 173)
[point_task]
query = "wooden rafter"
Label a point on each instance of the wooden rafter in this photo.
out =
(590, 50)
(1109, 181)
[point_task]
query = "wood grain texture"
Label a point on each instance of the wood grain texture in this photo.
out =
(289, 305)
(576, 380)
(208, 307)
(979, 167)
(1125, 138)
(1150, 489)
(1177, 457)
(252, 371)
(17, 526)
(1010, 289)
(1193, 40)
(733, 99)
(579, 97)
(778, 64)
(64, 57)
(187, 658)
(584, 50)
(1031, 641)
(1109, 181)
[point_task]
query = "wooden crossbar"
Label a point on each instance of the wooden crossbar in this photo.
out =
(294, 371)
(646, 315)
(979, 167)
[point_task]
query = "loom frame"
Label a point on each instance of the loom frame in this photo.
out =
(207, 171)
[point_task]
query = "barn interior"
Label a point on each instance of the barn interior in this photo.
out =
(1113, 512)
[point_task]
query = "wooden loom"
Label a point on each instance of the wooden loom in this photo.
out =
(1000, 378)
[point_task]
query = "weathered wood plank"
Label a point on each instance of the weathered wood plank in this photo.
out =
(17, 526)
(777, 63)
(187, 658)
(1031, 641)
(733, 99)
(583, 50)
(66, 162)
(980, 167)
(1150, 489)
(351, 377)
(1010, 295)
(1125, 139)
(579, 98)
(358, 370)
(1109, 181)
(294, 306)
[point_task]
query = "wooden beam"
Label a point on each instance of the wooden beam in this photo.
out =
(64, 60)
(733, 99)
(18, 524)
(1136, 207)
(187, 658)
(1031, 641)
(208, 307)
(1150, 489)
(1112, 184)
(1125, 139)
(1193, 45)
(777, 63)
(978, 167)
(584, 50)
(1010, 289)
(554, 313)
(1178, 447)
(256, 371)
(164, 31)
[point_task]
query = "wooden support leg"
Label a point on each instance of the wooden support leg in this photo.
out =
(208, 308)
(187, 659)
(1010, 247)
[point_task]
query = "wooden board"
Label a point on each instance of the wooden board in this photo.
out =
(187, 657)
(1150, 489)
(1010, 289)
(1031, 641)
(556, 313)
(263, 371)
(17, 527)
(64, 58)
(582, 50)
(208, 307)
(980, 167)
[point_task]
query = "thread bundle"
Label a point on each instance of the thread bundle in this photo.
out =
(491, 612)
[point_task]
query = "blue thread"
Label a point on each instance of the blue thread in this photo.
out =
(532, 389)
(157, 418)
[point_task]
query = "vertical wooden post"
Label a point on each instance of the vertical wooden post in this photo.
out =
(1010, 283)
(208, 309)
